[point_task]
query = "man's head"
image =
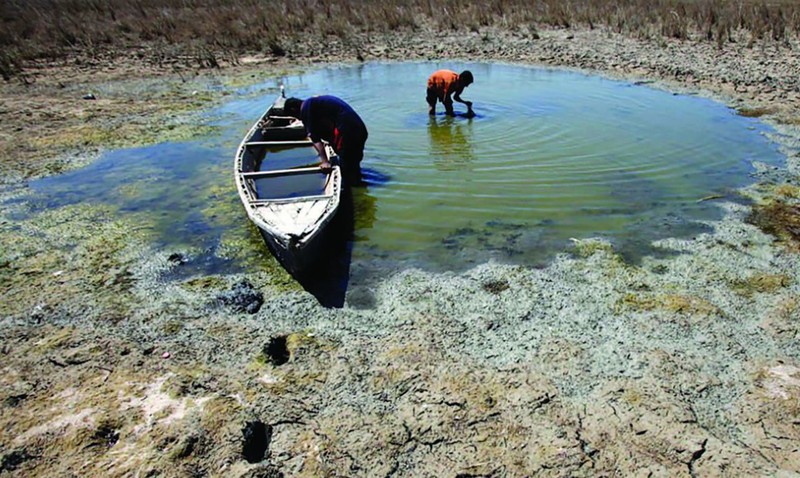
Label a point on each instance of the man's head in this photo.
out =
(465, 78)
(291, 107)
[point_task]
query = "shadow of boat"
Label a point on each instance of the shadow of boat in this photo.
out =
(327, 277)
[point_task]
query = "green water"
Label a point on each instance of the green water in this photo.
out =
(552, 155)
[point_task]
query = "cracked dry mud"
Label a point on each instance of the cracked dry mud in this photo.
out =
(685, 365)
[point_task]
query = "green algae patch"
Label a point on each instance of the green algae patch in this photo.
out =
(248, 78)
(219, 202)
(761, 283)
(297, 380)
(779, 218)
(240, 239)
(74, 137)
(184, 381)
(125, 113)
(205, 283)
(305, 342)
(172, 327)
(789, 191)
(246, 249)
(585, 248)
(675, 303)
(296, 346)
(785, 192)
(131, 133)
(259, 362)
(59, 339)
(295, 361)
(58, 256)
(250, 251)
(242, 243)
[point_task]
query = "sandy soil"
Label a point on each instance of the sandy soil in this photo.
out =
(683, 365)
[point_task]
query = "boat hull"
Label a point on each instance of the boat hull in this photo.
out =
(293, 226)
(295, 259)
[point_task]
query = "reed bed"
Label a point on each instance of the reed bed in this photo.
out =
(56, 29)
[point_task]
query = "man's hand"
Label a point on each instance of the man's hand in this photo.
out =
(325, 165)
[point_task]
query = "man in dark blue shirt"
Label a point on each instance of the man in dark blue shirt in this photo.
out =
(330, 119)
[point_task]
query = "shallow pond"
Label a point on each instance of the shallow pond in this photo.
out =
(552, 155)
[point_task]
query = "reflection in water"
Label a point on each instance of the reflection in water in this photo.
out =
(560, 155)
(450, 143)
(365, 209)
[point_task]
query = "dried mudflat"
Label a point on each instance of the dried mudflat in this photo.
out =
(681, 365)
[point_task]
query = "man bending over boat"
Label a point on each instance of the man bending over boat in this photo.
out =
(331, 119)
(443, 84)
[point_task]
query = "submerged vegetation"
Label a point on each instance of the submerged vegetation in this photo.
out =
(208, 32)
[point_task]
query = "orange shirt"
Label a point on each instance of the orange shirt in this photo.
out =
(443, 82)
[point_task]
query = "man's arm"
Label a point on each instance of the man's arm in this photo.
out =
(457, 97)
(322, 151)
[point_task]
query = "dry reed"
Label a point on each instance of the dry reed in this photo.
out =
(57, 29)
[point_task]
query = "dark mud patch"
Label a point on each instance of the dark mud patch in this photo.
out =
(106, 436)
(277, 350)
(495, 286)
(257, 437)
(243, 297)
(13, 460)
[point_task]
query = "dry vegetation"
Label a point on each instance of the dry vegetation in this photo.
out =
(207, 30)
(779, 218)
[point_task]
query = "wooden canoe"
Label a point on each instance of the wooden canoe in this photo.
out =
(292, 222)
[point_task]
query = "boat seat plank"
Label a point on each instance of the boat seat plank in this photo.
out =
(297, 142)
(280, 172)
(299, 199)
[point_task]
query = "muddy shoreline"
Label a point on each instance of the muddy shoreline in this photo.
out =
(685, 365)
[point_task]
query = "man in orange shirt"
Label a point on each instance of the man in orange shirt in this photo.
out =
(443, 84)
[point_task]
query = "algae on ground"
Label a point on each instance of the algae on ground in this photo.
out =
(684, 304)
(779, 218)
(761, 283)
(57, 256)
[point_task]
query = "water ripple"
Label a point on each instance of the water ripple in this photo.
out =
(551, 155)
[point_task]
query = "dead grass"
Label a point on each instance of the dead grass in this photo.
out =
(761, 283)
(779, 218)
(788, 191)
(755, 112)
(674, 303)
(210, 30)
